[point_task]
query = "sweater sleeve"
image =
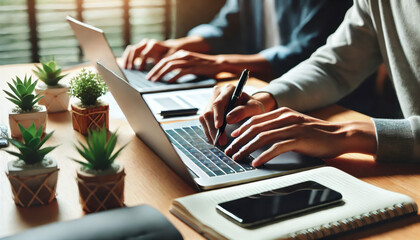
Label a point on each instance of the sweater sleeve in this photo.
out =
(334, 70)
(317, 20)
(221, 32)
(337, 68)
(398, 140)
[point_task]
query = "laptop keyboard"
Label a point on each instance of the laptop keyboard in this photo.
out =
(213, 161)
(138, 79)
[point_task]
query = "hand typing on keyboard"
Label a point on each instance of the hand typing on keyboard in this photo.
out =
(283, 129)
(185, 63)
(151, 50)
(147, 50)
(189, 55)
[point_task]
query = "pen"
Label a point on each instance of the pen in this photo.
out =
(178, 112)
(236, 93)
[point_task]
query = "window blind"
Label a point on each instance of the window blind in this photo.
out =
(34, 30)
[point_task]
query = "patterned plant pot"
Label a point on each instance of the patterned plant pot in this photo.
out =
(33, 185)
(85, 118)
(56, 98)
(101, 192)
(38, 117)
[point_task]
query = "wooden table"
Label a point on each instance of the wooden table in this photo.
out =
(150, 181)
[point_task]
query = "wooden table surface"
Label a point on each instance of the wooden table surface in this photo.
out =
(151, 182)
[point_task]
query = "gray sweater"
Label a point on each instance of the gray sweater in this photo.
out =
(372, 32)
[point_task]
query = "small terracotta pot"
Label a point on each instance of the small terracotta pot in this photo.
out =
(90, 118)
(56, 98)
(101, 192)
(39, 118)
(34, 186)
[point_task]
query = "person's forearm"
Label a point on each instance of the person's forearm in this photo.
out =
(256, 64)
(191, 43)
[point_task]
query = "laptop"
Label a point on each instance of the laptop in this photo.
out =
(96, 48)
(184, 147)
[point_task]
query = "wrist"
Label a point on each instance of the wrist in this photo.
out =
(190, 43)
(224, 64)
(360, 137)
(267, 100)
(236, 63)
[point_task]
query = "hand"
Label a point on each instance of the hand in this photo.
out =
(288, 130)
(185, 62)
(145, 50)
(150, 49)
(247, 106)
(190, 62)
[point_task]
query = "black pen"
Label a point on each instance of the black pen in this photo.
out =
(178, 112)
(236, 93)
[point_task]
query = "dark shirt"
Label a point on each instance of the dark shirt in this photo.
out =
(304, 25)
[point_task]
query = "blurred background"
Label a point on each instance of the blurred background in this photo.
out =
(33, 30)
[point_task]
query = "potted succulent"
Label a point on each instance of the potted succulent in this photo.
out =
(33, 175)
(56, 98)
(88, 112)
(26, 111)
(100, 179)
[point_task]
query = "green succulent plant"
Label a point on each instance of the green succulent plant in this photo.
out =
(30, 148)
(49, 73)
(87, 87)
(98, 151)
(23, 93)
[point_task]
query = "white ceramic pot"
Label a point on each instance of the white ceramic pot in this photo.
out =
(56, 98)
(39, 118)
(33, 184)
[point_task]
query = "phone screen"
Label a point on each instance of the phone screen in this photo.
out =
(282, 202)
(3, 136)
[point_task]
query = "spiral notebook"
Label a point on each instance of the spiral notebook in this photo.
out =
(364, 204)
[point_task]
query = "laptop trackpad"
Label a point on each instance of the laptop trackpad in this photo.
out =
(288, 160)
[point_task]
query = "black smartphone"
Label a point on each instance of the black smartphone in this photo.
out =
(3, 136)
(283, 202)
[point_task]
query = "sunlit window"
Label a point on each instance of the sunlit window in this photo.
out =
(32, 30)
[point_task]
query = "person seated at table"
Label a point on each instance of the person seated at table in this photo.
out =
(372, 32)
(269, 37)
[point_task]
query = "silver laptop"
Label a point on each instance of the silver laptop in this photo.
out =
(183, 146)
(96, 48)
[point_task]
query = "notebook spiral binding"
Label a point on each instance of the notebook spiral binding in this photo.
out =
(355, 222)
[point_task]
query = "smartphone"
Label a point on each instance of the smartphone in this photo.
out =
(3, 136)
(283, 202)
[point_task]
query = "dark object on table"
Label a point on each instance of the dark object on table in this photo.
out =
(140, 222)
